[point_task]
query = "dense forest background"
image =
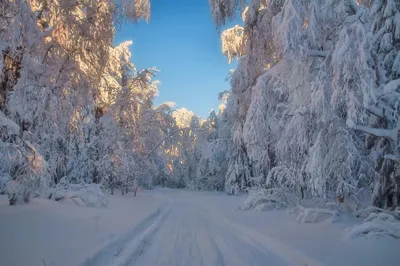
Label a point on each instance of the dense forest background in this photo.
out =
(313, 110)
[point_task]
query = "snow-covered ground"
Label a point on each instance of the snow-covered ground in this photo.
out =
(177, 227)
(66, 234)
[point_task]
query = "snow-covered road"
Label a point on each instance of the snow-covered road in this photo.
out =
(192, 235)
(195, 233)
(191, 229)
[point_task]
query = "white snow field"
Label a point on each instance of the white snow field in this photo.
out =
(177, 227)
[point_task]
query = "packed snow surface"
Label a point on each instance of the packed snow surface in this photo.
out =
(177, 227)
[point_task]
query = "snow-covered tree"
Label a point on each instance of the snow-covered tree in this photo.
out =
(314, 105)
(71, 93)
(214, 147)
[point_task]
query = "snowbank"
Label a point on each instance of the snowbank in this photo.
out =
(317, 215)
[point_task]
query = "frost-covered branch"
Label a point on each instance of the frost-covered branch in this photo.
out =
(167, 137)
(379, 132)
(233, 42)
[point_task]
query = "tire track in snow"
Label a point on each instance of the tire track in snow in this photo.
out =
(264, 243)
(182, 240)
(234, 249)
(220, 258)
(143, 241)
(192, 236)
(124, 250)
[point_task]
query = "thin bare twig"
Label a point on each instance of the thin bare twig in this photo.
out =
(119, 251)
(44, 263)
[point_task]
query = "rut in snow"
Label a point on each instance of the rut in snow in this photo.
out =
(125, 249)
(196, 234)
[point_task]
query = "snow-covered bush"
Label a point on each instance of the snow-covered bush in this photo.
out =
(23, 170)
(318, 210)
(260, 199)
(10, 156)
(29, 177)
(26, 183)
(381, 224)
(4, 179)
(86, 195)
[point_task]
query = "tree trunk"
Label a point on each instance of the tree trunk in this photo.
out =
(382, 198)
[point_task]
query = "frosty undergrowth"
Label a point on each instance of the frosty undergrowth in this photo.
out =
(86, 195)
(379, 224)
(266, 199)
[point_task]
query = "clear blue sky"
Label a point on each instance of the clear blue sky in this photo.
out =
(182, 41)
